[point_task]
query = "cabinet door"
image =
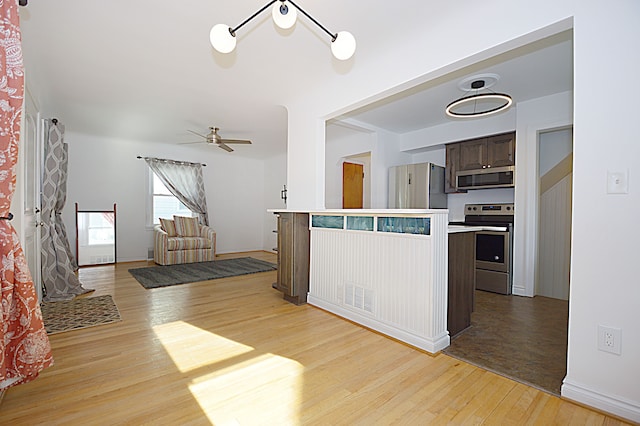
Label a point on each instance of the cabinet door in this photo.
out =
(452, 167)
(293, 256)
(473, 154)
(285, 252)
(462, 279)
(500, 150)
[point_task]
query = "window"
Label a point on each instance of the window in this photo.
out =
(163, 203)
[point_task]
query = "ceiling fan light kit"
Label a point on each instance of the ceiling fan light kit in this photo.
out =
(478, 104)
(284, 14)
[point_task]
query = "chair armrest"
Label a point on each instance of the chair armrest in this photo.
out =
(210, 234)
(207, 232)
(160, 237)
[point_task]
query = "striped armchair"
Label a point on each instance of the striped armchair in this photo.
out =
(183, 240)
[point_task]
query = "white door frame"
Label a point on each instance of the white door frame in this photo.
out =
(31, 146)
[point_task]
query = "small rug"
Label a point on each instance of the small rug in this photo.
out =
(163, 276)
(79, 313)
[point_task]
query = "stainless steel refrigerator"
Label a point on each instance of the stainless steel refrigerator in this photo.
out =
(417, 186)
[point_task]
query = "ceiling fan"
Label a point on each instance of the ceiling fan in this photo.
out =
(214, 137)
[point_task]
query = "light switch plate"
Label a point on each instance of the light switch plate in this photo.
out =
(618, 182)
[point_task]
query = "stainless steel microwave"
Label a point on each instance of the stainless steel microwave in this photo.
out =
(496, 177)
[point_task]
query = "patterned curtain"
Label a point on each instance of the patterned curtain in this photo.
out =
(185, 182)
(24, 346)
(58, 263)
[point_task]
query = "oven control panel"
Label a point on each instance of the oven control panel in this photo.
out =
(505, 209)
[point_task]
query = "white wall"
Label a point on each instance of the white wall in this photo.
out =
(103, 172)
(275, 176)
(435, 155)
(554, 147)
(604, 277)
(342, 142)
(459, 131)
(535, 116)
(604, 286)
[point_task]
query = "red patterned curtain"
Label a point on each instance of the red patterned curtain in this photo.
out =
(24, 346)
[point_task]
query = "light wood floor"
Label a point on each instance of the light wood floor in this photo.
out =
(232, 351)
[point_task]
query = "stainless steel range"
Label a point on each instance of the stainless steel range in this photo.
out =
(494, 257)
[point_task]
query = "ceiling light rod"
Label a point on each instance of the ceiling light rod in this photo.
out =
(333, 36)
(232, 31)
(223, 37)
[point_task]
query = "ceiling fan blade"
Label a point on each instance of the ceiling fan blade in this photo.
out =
(190, 143)
(225, 147)
(243, 141)
(195, 133)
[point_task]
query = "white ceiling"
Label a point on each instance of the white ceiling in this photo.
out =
(145, 70)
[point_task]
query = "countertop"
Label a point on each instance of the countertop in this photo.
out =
(356, 212)
(452, 229)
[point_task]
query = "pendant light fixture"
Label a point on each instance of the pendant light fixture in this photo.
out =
(479, 104)
(284, 14)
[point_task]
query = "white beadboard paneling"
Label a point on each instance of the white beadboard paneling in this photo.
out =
(401, 278)
(555, 240)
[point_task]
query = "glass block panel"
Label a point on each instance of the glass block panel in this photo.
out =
(405, 225)
(334, 222)
(360, 223)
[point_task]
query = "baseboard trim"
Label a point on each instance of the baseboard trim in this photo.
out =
(583, 395)
(427, 344)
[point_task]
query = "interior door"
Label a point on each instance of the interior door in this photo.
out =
(32, 146)
(352, 185)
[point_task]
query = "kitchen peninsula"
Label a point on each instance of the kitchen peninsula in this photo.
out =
(384, 269)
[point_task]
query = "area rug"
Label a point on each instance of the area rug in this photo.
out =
(163, 276)
(78, 313)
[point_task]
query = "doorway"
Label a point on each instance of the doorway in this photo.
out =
(352, 185)
(356, 181)
(555, 172)
(31, 221)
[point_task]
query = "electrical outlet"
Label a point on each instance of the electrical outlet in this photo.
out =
(609, 339)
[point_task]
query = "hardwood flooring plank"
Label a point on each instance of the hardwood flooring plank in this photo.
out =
(232, 351)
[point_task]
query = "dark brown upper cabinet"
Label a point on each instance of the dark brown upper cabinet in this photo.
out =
(480, 153)
(492, 151)
(451, 168)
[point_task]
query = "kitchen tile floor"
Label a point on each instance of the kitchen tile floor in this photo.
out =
(522, 338)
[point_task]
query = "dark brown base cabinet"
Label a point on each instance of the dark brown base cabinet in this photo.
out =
(462, 277)
(293, 256)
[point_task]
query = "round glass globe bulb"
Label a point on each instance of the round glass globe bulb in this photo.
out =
(221, 39)
(284, 15)
(344, 46)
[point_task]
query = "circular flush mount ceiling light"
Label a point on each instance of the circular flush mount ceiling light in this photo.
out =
(478, 104)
